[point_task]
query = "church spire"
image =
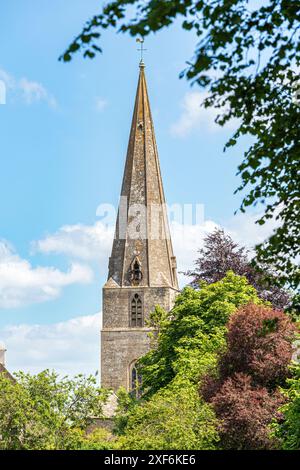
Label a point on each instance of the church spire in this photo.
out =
(142, 252)
(142, 266)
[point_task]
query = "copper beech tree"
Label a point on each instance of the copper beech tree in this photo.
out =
(245, 393)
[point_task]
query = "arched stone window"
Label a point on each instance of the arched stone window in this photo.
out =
(135, 381)
(136, 311)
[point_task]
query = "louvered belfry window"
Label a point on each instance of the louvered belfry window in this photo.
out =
(136, 311)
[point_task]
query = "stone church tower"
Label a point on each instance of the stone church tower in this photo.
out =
(142, 266)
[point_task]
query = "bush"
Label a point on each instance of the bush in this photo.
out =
(45, 412)
(173, 418)
(99, 439)
(287, 427)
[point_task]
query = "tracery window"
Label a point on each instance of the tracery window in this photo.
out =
(136, 317)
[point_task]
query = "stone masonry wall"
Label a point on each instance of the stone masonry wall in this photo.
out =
(119, 350)
(122, 345)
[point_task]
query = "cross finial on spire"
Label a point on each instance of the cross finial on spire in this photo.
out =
(141, 50)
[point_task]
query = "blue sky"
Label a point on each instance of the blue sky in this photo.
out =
(64, 132)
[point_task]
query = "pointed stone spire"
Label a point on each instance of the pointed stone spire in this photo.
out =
(142, 252)
(142, 267)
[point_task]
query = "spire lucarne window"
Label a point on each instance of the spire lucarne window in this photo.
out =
(135, 272)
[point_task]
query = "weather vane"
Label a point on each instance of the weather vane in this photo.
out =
(142, 49)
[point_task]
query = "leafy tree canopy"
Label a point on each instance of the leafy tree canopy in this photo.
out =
(287, 429)
(173, 418)
(245, 392)
(259, 343)
(98, 439)
(185, 346)
(247, 57)
(187, 342)
(225, 343)
(44, 412)
(245, 413)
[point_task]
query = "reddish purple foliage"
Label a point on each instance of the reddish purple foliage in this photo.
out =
(245, 413)
(260, 344)
(245, 394)
(221, 254)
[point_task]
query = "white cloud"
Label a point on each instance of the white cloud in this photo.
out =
(28, 91)
(21, 284)
(195, 117)
(7, 79)
(69, 347)
(34, 92)
(101, 104)
(87, 242)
